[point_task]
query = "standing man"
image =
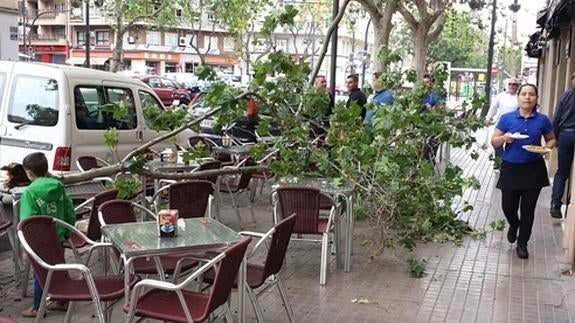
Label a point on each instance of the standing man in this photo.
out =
(431, 98)
(564, 128)
(381, 96)
(319, 128)
(355, 94)
(504, 102)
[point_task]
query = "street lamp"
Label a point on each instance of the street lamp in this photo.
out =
(476, 5)
(366, 54)
(40, 14)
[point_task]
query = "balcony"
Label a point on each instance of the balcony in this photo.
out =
(48, 39)
(48, 17)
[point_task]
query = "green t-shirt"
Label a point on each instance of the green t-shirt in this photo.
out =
(48, 196)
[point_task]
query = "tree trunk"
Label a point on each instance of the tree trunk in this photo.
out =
(381, 31)
(119, 42)
(420, 43)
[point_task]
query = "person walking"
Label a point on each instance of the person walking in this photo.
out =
(564, 128)
(523, 173)
(355, 94)
(381, 96)
(45, 196)
(504, 102)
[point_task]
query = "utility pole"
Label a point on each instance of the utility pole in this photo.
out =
(490, 59)
(333, 67)
(87, 35)
(24, 13)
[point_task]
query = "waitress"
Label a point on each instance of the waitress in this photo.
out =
(522, 173)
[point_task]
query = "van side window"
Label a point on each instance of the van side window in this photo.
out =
(34, 100)
(151, 108)
(123, 100)
(100, 108)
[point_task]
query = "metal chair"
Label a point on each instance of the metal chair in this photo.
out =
(7, 228)
(277, 239)
(46, 254)
(122, 211)
(305, 202)
(191, 198)
(169, 302)
(237, 185)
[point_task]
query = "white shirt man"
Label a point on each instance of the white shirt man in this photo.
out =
(504, 102)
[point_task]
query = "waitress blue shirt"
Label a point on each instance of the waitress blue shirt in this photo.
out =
(535, 126)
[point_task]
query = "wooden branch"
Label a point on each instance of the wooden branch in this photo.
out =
(409, 18)
(149, 16)
(439, 24)
(326, 42)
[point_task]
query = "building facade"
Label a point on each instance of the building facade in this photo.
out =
(9, 30)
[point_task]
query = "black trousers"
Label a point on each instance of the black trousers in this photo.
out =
(523, 201)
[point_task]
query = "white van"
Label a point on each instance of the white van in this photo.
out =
(58, 110)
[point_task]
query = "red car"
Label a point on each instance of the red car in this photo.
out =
(167, 90)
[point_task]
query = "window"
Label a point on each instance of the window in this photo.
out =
(152, 108)
(282, 44)
(34, 100)
(59, 32)
(99, 108)
(154, 82)
(59, 7)
(170, 84)
(229, 44)
(153, 38)
(170, 67)
(81, 38)
(210, 42)
(212, 17)
(171, 39)
(102, 38)
(179, 12)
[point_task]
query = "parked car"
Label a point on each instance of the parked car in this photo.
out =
(61, 111)
(242, 130)
(169, 91)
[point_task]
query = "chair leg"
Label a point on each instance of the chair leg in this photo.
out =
(236, 208)
(285, 298)
(251, 206)
(69, 312)
(255, 304)
(228, 313)
(323, 262)
(25, 278)
(17, 258)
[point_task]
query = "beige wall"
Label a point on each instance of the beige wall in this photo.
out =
(12, 4)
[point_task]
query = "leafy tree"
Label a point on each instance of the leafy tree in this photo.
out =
(425, 19)
(127, 13)
(510, 58)
(460, 43)
(381, 14)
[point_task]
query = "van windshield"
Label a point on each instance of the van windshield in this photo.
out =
(34, 100)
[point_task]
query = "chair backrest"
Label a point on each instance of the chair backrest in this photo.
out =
(215, 164)
(39, 233)
(245, 178)
(86, 163)
(304, 202)
(194, 140)
(226, 272)
(278, 246)
(190, 197)
(117, 211)
(93, 231)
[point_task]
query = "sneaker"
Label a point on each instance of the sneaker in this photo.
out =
(30, 312)
(522, 252)
(512, 234)
(556, 213)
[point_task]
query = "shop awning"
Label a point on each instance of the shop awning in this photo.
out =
(558, 13)
(80, 60)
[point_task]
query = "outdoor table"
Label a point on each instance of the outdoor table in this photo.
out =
(326, 185)
(196, 235)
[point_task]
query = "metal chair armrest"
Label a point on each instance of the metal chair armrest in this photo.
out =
(83, 204)
(146, 210)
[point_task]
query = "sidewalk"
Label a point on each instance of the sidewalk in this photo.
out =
(479, 281)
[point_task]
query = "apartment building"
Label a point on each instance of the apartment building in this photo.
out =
(56, 33)
(9, 30)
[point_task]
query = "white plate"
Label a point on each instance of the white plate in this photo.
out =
(517, 135)
(538, 150)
